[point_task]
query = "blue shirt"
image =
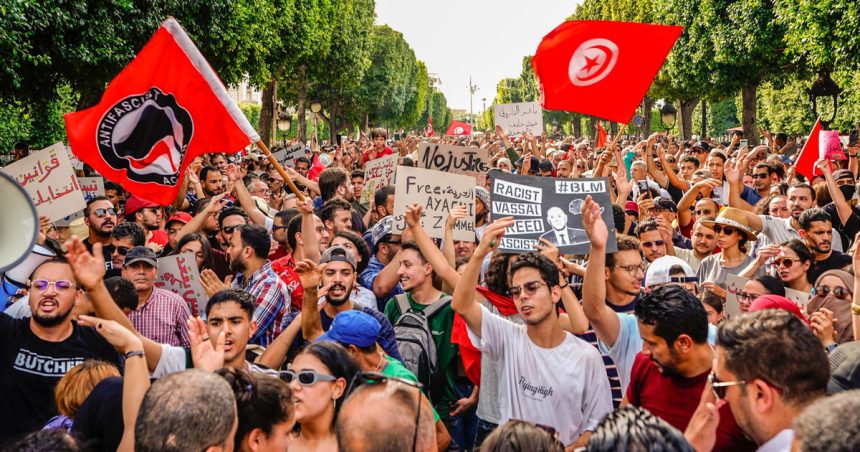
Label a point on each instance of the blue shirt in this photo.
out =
(368, 276)
(750, 196)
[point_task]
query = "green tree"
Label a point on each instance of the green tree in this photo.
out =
(821, 34)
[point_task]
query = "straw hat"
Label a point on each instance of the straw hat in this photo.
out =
(733, 217)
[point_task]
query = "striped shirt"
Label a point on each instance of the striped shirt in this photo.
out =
(272, 302)
(163, 318)
(611, 370)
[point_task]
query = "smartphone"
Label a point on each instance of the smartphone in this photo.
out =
(643, 187)
(743, 143)
(396, 137)
(853, 137)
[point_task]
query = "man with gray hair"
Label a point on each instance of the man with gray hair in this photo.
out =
(824, 427)
(184, 411)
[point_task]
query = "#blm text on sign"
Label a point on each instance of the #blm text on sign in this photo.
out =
(438, 192)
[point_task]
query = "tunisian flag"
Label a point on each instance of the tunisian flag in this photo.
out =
(805, 163)
(601, 136)
(459, 128)
(164, 109)
(601, 68)
(429, 130)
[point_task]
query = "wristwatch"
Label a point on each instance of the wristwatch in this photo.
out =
(855, 309)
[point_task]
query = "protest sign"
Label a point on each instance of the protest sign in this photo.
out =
(519, 118)
(179, 274)
(48, 177)
(377, 174)
(438, 192)
(829, 146)
(735, 284)
(548, 208)
(469, 161)
(91, 187)
(288, 155)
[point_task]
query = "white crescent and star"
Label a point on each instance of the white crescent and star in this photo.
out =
(592, 61)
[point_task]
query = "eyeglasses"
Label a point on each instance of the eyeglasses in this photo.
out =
(747, 296)
(373, 378)
(634, 268)
(653, 244)
(102, 212)
(783, 262)
(305, 377)
(393, 242)
(724, 229)
(529, 288)
(60, 285)
(121, 250)
(760, 176)
(704, 213)
(838, 292)
(720, 387)
(229, 229)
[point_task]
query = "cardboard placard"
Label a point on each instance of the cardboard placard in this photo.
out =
(469, 161)
(91, 187)
(377, 174)
(735, 284)
(288, 156)
(829, 146)
(179, 274)
(548, 208)
(519, 118)
(47, 175)
(438, 192)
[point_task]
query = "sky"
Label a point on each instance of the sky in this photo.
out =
(484, 39)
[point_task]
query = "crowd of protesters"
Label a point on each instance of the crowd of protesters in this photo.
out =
(329, 327)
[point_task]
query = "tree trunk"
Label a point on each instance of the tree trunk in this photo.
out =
(613, 129)
(267, 112)
(686, 125)
(704, 119)
(748, 121)
(647, 105)
(302, 129)
(577, 126)
(592, 128)
(333, 127)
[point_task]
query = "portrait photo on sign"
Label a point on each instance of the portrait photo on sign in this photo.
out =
(550, 209)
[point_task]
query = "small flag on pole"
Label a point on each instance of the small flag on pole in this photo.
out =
(459, 128)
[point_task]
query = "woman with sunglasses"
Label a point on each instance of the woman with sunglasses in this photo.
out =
(264, 406)
(733, 235)
(790, 262)
(834, 291)
(318, 377)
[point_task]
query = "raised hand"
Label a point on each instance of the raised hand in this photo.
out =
(493, 236)
(548, 249)
(306, 206)
(206, 353)
(822, 322)
(120, 337)
(593, 223)
(211, 284)
(767, 252)
(413, 215)
(89, 269)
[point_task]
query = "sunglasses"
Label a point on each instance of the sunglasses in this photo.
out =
(760, 176)
(60, 285)
(102, 212)
(229, 229)
(275, 228)
(783, 262)
(838, 292)
(724, 229)
(704, 213)
(699, 151)
(720, 387)
(529, 288)
(373, 378)
(121, 250)
(653, 244)
(305, 377)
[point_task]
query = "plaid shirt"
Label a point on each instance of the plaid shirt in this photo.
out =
(163, 318)
(272, 307)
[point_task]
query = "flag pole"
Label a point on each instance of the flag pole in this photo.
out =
(281, 171)
(615, 140)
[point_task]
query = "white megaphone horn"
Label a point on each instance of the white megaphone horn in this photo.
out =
(19, 228)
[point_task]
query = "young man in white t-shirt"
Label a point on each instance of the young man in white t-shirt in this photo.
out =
(546, 375)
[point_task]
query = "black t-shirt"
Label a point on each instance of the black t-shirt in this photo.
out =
(835, 261)
(846, 231)
(31, 367)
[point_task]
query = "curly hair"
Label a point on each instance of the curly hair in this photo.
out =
(547, 269)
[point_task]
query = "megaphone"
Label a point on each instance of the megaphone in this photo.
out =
(19, 224)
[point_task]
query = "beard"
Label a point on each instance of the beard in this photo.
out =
(52, 320)
(338, 301)
(237, 265)
(668, 369)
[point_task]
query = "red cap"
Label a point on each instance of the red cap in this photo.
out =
(136, 203)
(182, 217)
(631, 205)
(771, 301)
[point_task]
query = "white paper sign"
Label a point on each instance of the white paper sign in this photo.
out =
(288, 156)
(470, 161)
(519, 118)
(377, 174)
(47, 175)
(438, 192)
(179, 274)
(91, 187)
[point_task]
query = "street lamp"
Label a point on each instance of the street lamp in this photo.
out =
(316, 107)
(824, 86)
(668, 116)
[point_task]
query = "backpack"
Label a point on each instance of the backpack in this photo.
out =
(415, 340)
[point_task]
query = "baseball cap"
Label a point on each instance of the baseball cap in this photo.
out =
(182, 217)
(702, 145)
(481, 194)
(338, 254)
(844, 368)
(353, 328)
(382, 230)
(662, 202)
(135, 203)
(660, 271)
(631, 206)
(140, 254)
(843, 174)
(546, 165)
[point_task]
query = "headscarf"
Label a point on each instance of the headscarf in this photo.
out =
(771, 301)
(841, 308)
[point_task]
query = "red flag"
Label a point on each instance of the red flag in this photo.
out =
(807, 157)
(429, 131)
(164, 109)
(601, 68)
(601, 136)
(459, 128)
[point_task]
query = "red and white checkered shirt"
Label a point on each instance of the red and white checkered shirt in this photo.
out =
(273, 302)
(163, 318)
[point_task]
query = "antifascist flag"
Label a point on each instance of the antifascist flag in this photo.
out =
(601, 136)
(601, 68)
(164, 109)
(807, 157)
(459, 128)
